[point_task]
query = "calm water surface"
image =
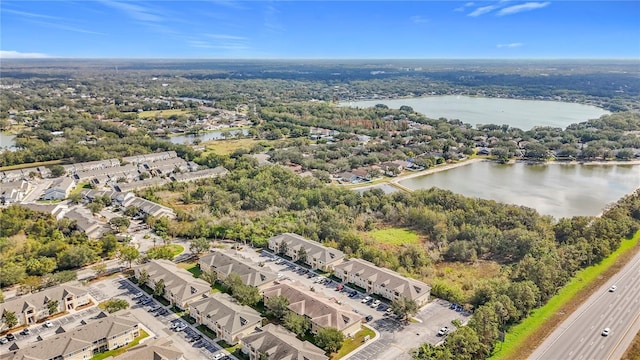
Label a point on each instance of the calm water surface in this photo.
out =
(523, 114)
(7, 141)
(558, 190)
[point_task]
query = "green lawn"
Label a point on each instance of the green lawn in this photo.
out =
(206, 331)
(164, 113)
(352, 343)
(228, 347)
(517, 335)
(191, 267)
(228, 146)
(394, 236)
(116, 352)
(176, 249)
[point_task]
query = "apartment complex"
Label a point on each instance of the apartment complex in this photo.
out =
(34, 307)
(384, 282)
(84, 342)
(316, 255)
(320, 311)
(224, 316)
(180, 287)
(275, 342)
(225, 262)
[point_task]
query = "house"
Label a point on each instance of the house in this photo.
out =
(316, 255)
(320, 311)
(140, 184)
(34, 307)
(225, 262)
(83, 342)
(126, 199)
(60, 189)
(348, 176)
(223, 315)
(86, 222)
(278, 343)
(158, 349)
(13, 192)
(384, 282)
(200, 174)
(180, 287)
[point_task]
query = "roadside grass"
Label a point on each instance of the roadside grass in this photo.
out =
(230, 348)
(164, 113)
(523, 338)
(122, 350)
(394, 236)
(352, 343)
(176, 249)
(206, 331)
(633, 352)
(28, 165)
(225, 147)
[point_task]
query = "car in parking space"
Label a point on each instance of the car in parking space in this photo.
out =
(452, 306)
(154, 308)
(368, 318)
(11, 337)
(180, 327)
(3, 340)
(226, 357)
(606, 332)
(48, 324)
(218, 356)
(443, 331)
(175, 323)
(161, 312)
(375, 303)
(137, 295)
(366, 299)
(613, 288)
(25, 332)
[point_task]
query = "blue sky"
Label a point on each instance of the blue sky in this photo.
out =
(320, 29)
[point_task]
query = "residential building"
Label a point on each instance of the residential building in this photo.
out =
(180, 287)
(140, 184)
(278, 343)
(225, 262)
(34, 307)
(13, 192)
(87, 222)
(126, 199)
(158, 349)
(384, 282)
(317, 256)
(223, 315)
(60, 189)
(200, 174)
(320, 311)
(81, 343)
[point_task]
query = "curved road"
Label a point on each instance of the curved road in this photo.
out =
(579, 336)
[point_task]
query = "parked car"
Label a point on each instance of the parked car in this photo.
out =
(3, 340)
(138, 295)
(155, 308)
(180, 327)
(11, 337)
(218, 356)
(443, 331)
(366, 299)
(375, 303)
(25, 331)
(368, 318)
(48, 324)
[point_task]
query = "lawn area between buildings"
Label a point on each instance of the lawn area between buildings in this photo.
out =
(191, 267)
(394, 236)
(116, 352)
(352, 343)
(523, 338)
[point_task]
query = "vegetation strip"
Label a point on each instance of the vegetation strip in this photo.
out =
(523, 338)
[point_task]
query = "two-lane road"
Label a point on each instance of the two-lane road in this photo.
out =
(580, 336)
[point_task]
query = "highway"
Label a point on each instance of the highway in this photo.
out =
(580, 335)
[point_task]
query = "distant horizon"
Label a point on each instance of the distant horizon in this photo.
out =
(319, 59)
(320, 30)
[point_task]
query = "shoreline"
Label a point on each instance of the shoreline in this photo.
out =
(396, 180)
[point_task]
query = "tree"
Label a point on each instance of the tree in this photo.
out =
(277, 306)
(99, 268)
(11, 273)
(57, 170)
(143, 277)
(1, 297)
(52, 306)
(113, 305)
(41, 265)
(246, 294)
(232, 281)
(283, 248)
(329, 339)
(404, 307)
(120, 223)
(10, 319)
(199, 245)
(297, 324)
(464, 344)
(158, 287)
(129, 254)
(209, 276)
(160, 252)
(302, 255)
(31, 283)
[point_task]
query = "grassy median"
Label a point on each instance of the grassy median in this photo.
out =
(522, 339)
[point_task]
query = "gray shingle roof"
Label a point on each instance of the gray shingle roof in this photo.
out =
(40, 299)
(224, 310)
(225, 262)
(281, 344)
(313, 248)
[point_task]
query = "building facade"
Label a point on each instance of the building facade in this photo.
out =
(316, 255)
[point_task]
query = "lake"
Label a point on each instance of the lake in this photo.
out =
(560, 190)
(204, 136)
(7, 141)
(523, 114)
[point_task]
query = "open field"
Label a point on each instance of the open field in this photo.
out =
(163, 113)
(225, 147)
(394, 236)
(522, 339)
(351, 344)
(633, 352)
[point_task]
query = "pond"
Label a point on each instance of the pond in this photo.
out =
(204, 136)
(560, 190)
(523, 114)
(7, 141)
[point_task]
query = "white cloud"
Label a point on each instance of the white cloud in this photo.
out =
(463, 7)
(522, 7)
(511, 45)
(417, 19)
(226, 37)
(482, 10)
(12, 54)
(30, 14)
(134, 11)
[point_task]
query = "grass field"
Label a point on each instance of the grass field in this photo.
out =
(633, 352)
(523, 338)
(164, 113)
(225, 147)
(191, 267)
(351, 344)
(394, 236)
(176, 249)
